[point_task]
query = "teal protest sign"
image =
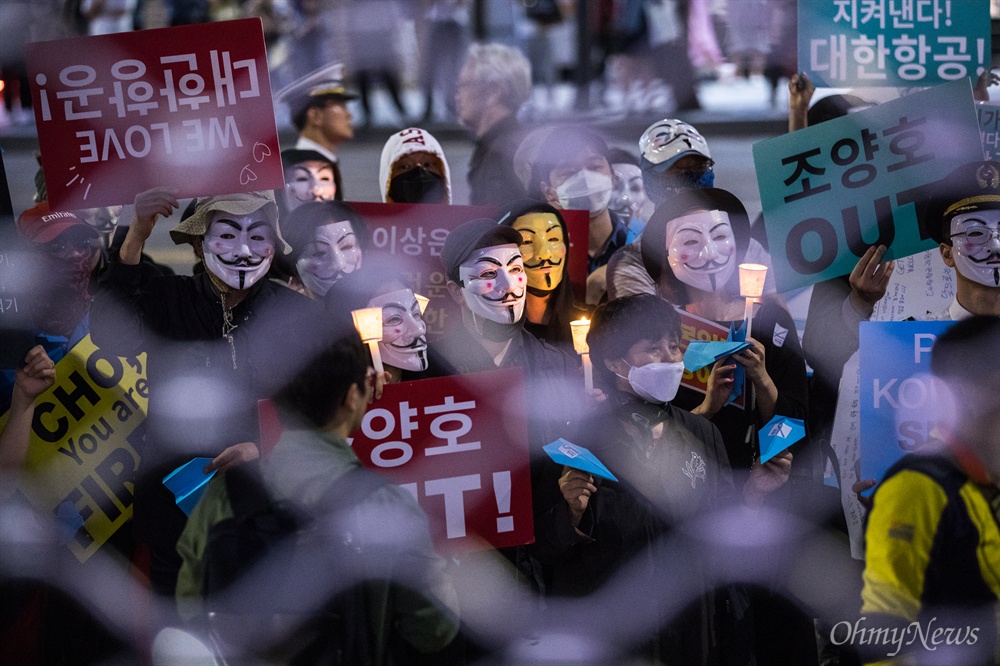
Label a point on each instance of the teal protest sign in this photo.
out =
(897, 395)
(902, 43)
(830, 191)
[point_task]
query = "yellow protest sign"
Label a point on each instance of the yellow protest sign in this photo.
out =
(85, 436)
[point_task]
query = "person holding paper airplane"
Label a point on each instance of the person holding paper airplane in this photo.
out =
(210, 343)
(671, 464)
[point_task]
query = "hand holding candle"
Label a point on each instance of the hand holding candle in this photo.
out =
(751, 287)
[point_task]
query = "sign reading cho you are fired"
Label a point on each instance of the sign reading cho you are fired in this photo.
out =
(188, 107)
(831, 191)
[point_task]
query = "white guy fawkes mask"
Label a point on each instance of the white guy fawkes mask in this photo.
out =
(628, 194)
(494, 283)
(333, 253)
(404, 334)
(701, 249)
(238, 249)
(307, 181)
(975, 238)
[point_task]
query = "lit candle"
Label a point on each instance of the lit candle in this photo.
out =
(751, 287)
(579, 329)
(368, 321)
(422, 301)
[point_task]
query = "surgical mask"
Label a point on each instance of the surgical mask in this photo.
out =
(975, 238)
(238, 249)
(418, 185)
(701, 249)
(404, 333)
(494, 283)
(333, 253)
(655, 382)
(585, 190)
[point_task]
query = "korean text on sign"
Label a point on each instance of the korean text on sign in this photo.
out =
(459, 445)
(187, 106)
(893, 42)
(831, 191)
(696, 328)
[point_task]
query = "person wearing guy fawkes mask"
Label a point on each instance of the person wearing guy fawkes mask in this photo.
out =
(487, 279)
(413, 169)
(549, 304)
(210, 341)
(672, 467)
(674, 157)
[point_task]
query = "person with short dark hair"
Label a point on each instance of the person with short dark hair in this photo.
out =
(672, 466)
(932, 536)
(405, 594)
(318, 106)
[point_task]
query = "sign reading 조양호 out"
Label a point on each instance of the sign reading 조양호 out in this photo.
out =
(895, 43)
(831, 191)
(188, 107)
(898, 398)
(86, 440)
(459, 445)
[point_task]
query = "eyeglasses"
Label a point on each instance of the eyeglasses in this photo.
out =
(978, 235)
(65, 248)
(698, 169)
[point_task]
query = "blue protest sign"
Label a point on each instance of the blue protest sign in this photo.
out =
(850, 43)
(778, 434)
(577, 457)
(897, 395)
(188, 483)
(831, 191)
(701, 354)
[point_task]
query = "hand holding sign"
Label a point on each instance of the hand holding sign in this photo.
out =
(869, 280)
(149, 205)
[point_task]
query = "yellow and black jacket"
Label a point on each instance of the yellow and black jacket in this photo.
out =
(933, 562)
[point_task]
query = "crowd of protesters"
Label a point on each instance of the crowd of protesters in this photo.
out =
(698, 552)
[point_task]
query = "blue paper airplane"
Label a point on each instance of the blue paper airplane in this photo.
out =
(701, 354)
(577, 457)
(779, 433)
(188, 483)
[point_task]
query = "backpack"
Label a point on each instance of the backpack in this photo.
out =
(253, 584)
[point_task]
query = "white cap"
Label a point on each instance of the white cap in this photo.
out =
(666, 141)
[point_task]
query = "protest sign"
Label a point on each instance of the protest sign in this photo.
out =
(897, 394)
(921, 286)
(86, 438)
(989, 129)
(694, 328)
(188, 107)
(831, 191)
(892, 43)
(460, 446)
(416, 233)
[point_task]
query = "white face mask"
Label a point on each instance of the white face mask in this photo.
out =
(333, 253)
(975, 238)
(404, 334)
(701, 249)
(309, 181)
(585, 190)
(656, 382)
(238, 249)
(629, 193)
(494, 283)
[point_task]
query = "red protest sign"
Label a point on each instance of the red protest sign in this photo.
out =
(460, 446)
(188, 107)
(694, 327)
(416, 232)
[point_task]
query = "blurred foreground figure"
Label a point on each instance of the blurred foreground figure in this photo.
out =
(354, 576)
(932, 571)
(210, 340)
